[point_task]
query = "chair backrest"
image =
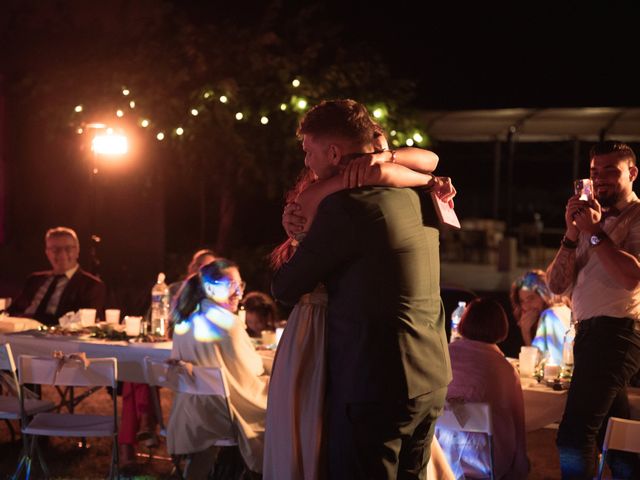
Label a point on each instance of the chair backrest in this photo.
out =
(622, 434)
(6, 358)
(202, 381)
(467, 417)
(99, 372)
(472, 417)
(8, 363)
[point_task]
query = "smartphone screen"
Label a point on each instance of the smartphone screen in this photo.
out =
(584, 188)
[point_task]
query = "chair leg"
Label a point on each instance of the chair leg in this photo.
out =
(43, 464)
(603, 457)
(25, 458)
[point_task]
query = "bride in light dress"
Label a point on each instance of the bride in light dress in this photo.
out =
(294, 447)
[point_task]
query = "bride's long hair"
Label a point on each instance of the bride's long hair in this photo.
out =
(283, 252)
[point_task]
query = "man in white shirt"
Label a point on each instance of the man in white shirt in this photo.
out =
(598, 263)
(48, 295)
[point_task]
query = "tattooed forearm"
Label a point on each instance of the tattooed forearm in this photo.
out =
(561, 272)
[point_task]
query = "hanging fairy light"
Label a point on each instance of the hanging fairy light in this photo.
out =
(223, 99)
(239, 116)
(119, 113)
(295, 83)
(264, 120)
(160, 136)
(179, 131)
(194, 112)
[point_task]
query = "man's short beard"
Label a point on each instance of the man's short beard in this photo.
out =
(609, 200)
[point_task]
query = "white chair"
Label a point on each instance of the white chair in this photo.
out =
(621, 434)
(469, 417)
(10, 400)
(201, 381)
(68, 372)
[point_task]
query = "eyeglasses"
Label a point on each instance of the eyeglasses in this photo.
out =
(57, 250)
(222, 289)
(237, 288)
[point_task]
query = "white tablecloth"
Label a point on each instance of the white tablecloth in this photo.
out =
(130, 355)
(17, 324)
(544, 406)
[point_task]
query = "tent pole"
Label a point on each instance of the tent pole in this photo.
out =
(497, 154)
(511, 143)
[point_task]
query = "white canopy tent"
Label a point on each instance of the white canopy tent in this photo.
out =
(534, 125)
(513, 125)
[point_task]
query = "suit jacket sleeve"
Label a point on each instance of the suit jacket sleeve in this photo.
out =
(328, 245)
(23, 300)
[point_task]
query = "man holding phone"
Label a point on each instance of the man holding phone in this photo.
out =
(598, 264)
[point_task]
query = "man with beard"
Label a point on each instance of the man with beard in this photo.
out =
(598, 264)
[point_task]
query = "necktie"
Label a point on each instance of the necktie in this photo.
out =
(42, 307)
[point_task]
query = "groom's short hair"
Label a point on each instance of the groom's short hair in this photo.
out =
(339, 118)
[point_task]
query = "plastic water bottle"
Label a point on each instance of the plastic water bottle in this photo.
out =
(455, 320)
(567, 351)
(160, 307)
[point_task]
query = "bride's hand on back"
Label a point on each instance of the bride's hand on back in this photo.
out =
(292, 220)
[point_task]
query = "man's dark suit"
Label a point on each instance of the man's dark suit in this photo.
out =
(386, 342)
(83, 291)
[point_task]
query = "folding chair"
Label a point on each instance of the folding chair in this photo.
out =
(68, 372)
(622, 434)
(10, 399)
(201, 381)
(469, 417)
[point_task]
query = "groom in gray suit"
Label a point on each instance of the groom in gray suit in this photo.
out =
(376, 251)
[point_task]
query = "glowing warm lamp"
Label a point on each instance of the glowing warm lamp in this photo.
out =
(110, 144)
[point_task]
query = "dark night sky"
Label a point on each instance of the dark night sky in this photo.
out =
(487, 55)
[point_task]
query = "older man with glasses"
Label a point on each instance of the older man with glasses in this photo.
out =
(48, 295)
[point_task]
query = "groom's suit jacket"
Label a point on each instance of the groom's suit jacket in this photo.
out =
(376, 250)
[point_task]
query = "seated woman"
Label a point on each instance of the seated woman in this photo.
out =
(482, 374)
(261, 313)
(208, 333)
(543, 318)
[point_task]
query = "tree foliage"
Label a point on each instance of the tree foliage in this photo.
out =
(229, 174)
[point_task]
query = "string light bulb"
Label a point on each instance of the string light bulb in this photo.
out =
(295, 83)
(125, 92)
(194, 112)
(409, 142)
(119, 113)
(144, 123)
(132, 104)
(264, 120)
(160, 136)
(179, 131)
(417, 137)
(223, 99)
(78, 108)
(239, 116)
(283, 106)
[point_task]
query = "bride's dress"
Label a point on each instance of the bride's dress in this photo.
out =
(293, 434)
